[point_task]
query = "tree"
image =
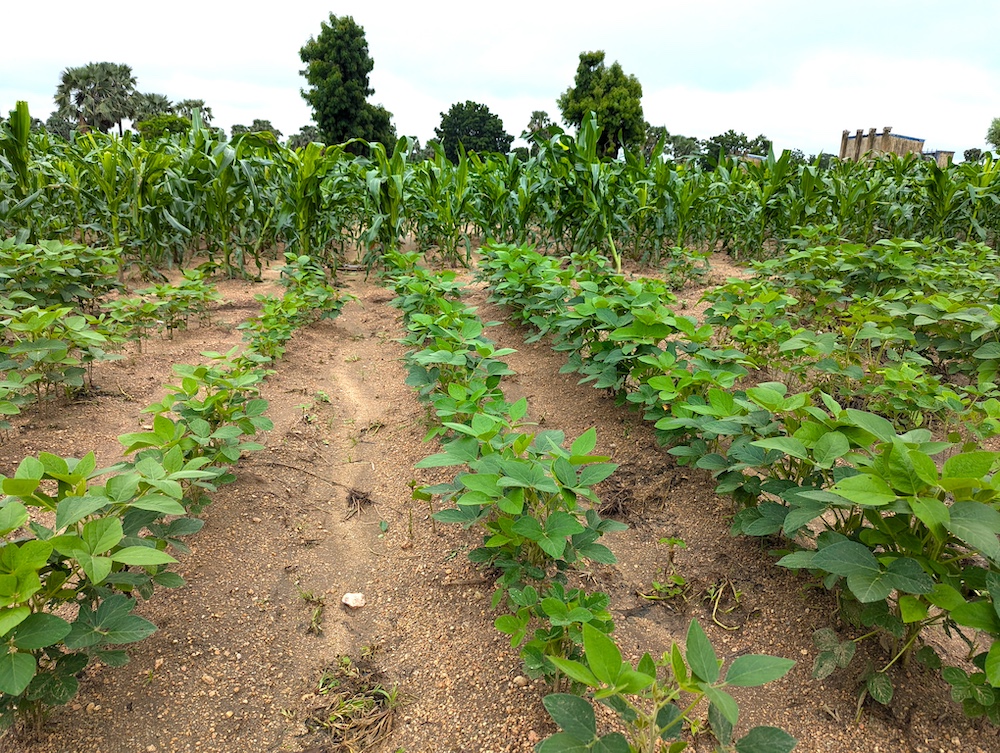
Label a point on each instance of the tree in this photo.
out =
(97, 95)
(539, 126)
(186, 107)
(993, 134)
(337, 68)
(305, 136)
(972, 155)
(653, 136)
(148, 105)
(614, 97)
(474, 127)
(734, 143)
(161, 125)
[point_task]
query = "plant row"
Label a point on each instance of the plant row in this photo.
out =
(903, 527)
(164, 200)
(532, 497)
(81, 543)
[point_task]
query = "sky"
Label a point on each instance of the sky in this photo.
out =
(796, 71)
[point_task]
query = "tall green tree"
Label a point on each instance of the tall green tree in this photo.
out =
(148, 105)
(474, 127)
(993, 134)
(616, 99)
(97, 95)
(734, 143)
(540, 125)
(186, 107)
(337, 68)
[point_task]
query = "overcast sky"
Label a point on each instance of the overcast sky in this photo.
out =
(797, 71)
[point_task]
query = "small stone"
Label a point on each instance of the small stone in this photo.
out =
(255, 519)
(354, 601)
(521, 681)
(151, 749)
(208, 679)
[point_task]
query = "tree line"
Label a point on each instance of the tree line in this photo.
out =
(337, 67)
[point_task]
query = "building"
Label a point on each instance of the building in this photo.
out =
(857, 146)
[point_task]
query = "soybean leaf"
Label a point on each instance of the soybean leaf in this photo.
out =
(993, 665)
(573, 714)
(880, 688)
(141, 555)
(977, 525)
(562, 742)
(11, 618)
(724, 702)
(766, 740)
(585, 443)
(757, 669)
(969, 465)
(575, 671)
(40, 630)
(866, 490)
(844, 558)
(787, 445)
(74, 509)
(603, 656)
(102, 534)
(700, 655)
(877, 426)
(829, 448)
(16, 671)
(13, 515)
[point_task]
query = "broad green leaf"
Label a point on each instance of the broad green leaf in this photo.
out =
(977, 614)
(129, 629)
(96, 568)
(11, 618)
(603, 656)
(74, 509)
(102, 534)
(879, 687)
(613, 742)
(866, 490)
(585, 443)
(20, 487)
(561, 742)
(13, 515)
(829, 448)
(933, 513)
(160, 503)
(16, 671)
(573, 714)
(40, 630)
(912, 609)
(993, 665)
(787, 445)
(969, 465)
(877, 426)
(596, 473)
(845, 558)
(757, 669)
(141, 555)
(902, 474)
(575, 671)
(700, 655)
(724, 702)
(766, 740)
(977, 525)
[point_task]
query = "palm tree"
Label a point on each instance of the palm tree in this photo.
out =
(148, 105)
(97, 95)
(186, 107)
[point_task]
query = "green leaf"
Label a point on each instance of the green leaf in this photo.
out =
(993, 665)
(562, 742)
(829, 448)
(74, 509)
(16, 671)
(596, 473)
(13, 515)
(757, 669)
(96, 568)
(701, 656)
(141, 555)
(102, 534)
(575, 671)
(11, 617)
(902, 474)
(40, 630)
(866, 490)
(766, 740)
(969, 465)
(787, 445)
(613, 742)
(20, 487)
(603, 656)
(724, 702)
(912, 609)
(879, 687)
(877, 426)
(845, 558)
(977, 525)
(585, 443)
(573, 714)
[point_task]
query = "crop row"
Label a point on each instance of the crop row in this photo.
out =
(163, 201)
(80, 543)
(904, 527)
(532, 498)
